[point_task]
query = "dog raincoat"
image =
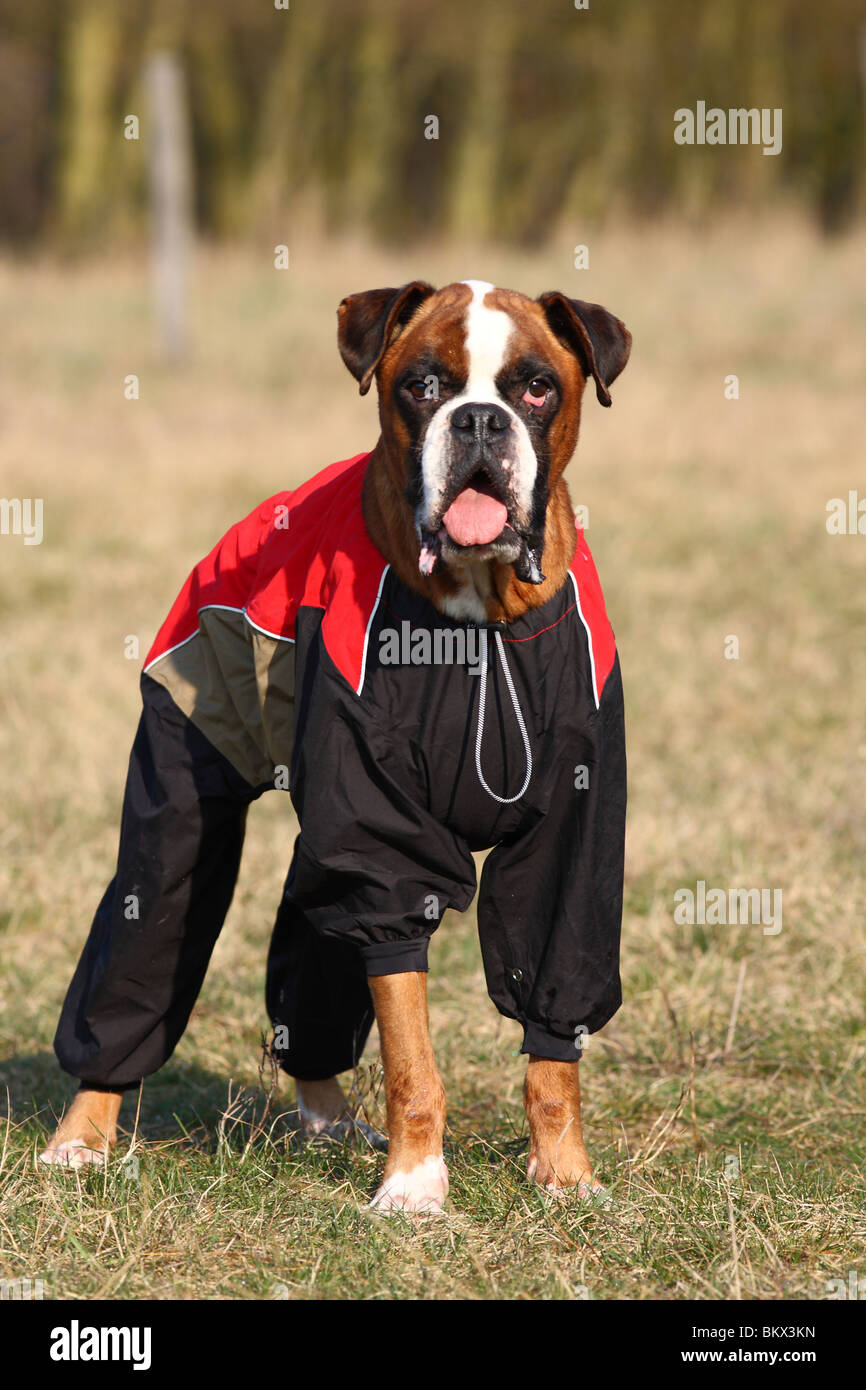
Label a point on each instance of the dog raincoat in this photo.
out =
(294, 659)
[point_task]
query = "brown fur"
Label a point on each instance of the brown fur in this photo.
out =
(414, 1094)
(551, 1096)
(89, 1129)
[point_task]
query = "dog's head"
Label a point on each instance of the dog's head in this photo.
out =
(479, 401)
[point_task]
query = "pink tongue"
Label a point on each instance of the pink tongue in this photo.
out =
(474, 518)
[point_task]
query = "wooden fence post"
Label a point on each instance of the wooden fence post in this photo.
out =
(170, 183)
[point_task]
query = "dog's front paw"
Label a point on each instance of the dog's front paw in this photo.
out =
(419, 1191)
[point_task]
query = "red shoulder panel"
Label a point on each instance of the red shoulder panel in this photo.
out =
(222, 579)
(324, 560)
(304, 548)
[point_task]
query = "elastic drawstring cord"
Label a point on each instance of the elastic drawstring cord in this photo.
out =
(482, 702)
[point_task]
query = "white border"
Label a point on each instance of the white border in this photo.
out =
(277, 636)
(588, 637)
(225, 608)
(367, 633)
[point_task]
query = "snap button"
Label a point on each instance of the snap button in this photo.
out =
(517, 974)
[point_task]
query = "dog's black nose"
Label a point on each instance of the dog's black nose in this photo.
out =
(479, 418)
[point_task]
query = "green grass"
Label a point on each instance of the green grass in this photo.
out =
(726, 1179)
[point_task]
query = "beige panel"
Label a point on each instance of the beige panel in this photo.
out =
(237, 686)
(275, 681)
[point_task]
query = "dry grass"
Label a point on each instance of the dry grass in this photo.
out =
(734, 1156)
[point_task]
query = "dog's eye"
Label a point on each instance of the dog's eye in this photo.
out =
(417, 389)
(536, 393)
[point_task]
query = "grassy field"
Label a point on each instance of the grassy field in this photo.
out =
(725, 1103)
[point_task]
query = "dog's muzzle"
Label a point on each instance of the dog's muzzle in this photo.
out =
(477, 515)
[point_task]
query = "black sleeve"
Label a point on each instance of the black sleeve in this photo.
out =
(372, 864)
(550, 908)
(182, 830)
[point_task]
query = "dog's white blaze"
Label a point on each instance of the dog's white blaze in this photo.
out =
(488, 332)
(422, 1188)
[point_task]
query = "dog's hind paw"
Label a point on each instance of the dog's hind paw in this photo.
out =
(592, 1193)
(72, 1153)
(343, 1131)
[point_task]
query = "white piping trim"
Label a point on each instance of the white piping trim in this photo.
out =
(225, 608)
(588, 637)
(277, 636)
(367, 633)
(168, 651)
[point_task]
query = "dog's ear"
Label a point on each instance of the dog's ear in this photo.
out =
(367, 324)
(600, 341)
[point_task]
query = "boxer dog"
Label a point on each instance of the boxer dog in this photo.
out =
(458, 524)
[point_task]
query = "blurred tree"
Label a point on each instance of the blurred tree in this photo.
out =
(87, 131)
(285, 138)
(549, 117)
(25, 137)
(482, 132)
(221, 122)
(376, 121)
